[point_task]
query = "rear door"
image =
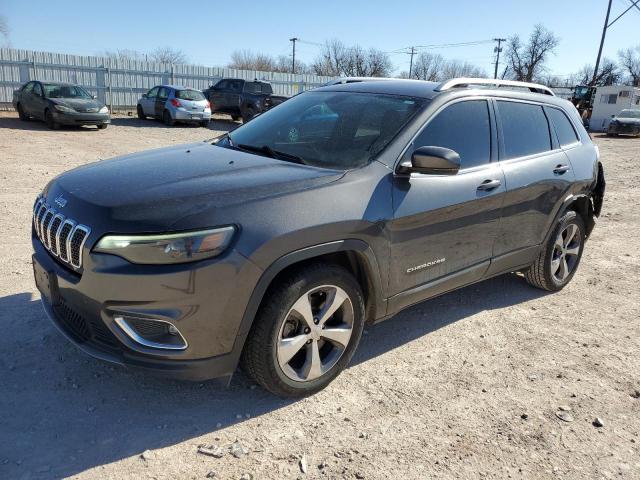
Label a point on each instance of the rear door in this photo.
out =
(538, 174)
(216, 95)
(161, 100)
(149, 102)
(444, 227)
(232, 95)
(26, 97)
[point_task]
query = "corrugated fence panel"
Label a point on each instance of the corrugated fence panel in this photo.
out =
(120, 83)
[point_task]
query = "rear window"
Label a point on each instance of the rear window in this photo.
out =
(525, 129)
(566, 134)
(193, 95)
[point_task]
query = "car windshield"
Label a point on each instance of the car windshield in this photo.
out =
(193, 95)
(51, 90)
(337, 130)
(629, 114)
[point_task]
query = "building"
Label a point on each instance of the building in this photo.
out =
(608, 101)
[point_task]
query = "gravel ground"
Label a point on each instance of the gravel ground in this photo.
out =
(469, 385)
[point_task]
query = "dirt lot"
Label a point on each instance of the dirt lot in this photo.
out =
(465, 386)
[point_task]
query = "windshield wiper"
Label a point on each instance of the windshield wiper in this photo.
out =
(270, 152)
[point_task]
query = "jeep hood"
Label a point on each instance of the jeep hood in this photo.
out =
(152, 190)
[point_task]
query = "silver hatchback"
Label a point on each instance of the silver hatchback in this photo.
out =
(172, 104)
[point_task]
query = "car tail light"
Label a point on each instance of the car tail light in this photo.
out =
(208, 104)
(175, 102)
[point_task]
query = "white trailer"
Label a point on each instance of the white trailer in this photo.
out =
(608, 101)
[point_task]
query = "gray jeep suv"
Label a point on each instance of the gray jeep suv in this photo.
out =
(274, 245)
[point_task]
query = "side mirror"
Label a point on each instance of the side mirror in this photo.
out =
(432, 161)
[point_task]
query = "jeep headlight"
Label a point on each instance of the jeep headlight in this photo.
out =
(63, 108)
(104, 110)
(167, 248)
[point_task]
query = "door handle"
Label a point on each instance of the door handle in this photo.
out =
(489, 185)
(560, 169)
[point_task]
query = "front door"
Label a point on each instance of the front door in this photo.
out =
(444, 227)
(149, 102)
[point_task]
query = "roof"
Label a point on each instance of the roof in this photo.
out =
(409, 88)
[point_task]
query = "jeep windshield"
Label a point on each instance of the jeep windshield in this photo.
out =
(337, 130)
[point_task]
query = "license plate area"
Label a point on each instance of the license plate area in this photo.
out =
(46, 282)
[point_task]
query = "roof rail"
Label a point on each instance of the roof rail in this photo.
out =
(464, 82)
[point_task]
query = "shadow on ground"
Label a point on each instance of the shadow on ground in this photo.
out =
(62, 412)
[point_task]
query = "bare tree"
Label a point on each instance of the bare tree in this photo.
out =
(123, 54)
(609, 73)
(428, 66)
(527, 61)
(630, 61)
(4, 28)
(168, 55)
(248, 60)
(337, 59)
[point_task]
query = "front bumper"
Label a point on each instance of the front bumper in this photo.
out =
(81, 118)
(623, 129)
(205, 300)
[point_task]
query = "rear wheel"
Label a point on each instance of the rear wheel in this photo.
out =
(50, 121)
(236, 118)
(306, 331)
(102, 126)
(558, 261)
(23, 116)
(248, 114)
(141, 114)
(204, 123)
(166, 118)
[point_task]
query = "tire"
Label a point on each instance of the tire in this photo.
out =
(555, 266)
(166, 118)
(21, 115)
(141, 114)
(102, 126)
(248, 114)
(50, 121)
(204, 124)
(236, 118)
(264, 355)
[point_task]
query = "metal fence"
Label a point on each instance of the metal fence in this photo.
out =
(120, 83)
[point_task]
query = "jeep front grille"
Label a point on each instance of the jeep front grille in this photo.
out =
(62, 237)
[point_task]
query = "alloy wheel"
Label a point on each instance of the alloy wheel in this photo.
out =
(565, 252)
(315, 333)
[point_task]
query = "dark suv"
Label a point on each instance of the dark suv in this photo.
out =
(274, 245)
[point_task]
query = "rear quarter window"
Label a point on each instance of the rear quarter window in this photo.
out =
(563, 127)
(525, 130)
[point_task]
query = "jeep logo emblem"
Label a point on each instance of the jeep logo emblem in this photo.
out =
(60, 201)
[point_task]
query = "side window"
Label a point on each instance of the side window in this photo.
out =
(37, 89)
(163, 93)
(463, 127)
(252, 87)
(525, 129)
(28, 88)
(566, 134)
(235, 86)
(221, 85)
(266, 88)
(153, 93)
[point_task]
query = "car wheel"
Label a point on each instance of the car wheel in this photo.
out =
(166, 118)
(204, 123)
(21, 115)
(141, 114)
(50, 121)
(236, 118)
(102, 126)
(248, 114)
(306, 331)
(558, 260)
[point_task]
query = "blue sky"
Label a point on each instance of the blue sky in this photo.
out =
(209, 31)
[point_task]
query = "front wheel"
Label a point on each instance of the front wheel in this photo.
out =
(248, 114)
(102, 126)
(558, 260)
(306, 331)
(50, 121)
(23, 116)
(140, 112)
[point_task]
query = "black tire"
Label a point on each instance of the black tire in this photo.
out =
(21, 115)
(166, 118)
(102, 126)
(259, 358)
(50, 121)
(204, 124)
(541, 274)
(248, 114)
(236, 118)
(141, 114)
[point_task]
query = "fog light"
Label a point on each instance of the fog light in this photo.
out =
(152, 332)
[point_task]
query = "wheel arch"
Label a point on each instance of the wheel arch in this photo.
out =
(354, 255)
(582, 205)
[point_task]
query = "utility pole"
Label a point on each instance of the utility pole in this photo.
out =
(604, 33)
(497, 49)
(412, 53)
(293, 61)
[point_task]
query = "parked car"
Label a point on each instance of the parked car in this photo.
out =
(60, 104)
(275, 244)
(242, 98)
(172, 104)
(627, 122)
